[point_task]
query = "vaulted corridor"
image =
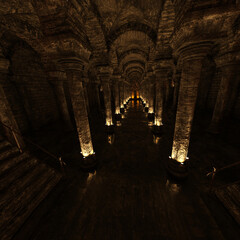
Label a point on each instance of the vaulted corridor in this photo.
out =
(119, 119)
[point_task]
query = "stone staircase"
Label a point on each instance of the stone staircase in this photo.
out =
(24, 183)
(230, 197)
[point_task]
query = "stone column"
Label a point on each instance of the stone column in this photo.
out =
(57, 78)
(6, 114)
(176, 80)
(192, 56)
(85, 82)
(161, 74)
(96, 85)
(104, 75)
(73, 68)
(229, 65)
(151, 92)
(117, 97)
(121, 94)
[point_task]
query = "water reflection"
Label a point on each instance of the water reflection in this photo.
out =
(138, 103)
(90, 177)
(118, 123)
(156, 139)
(173, 188)
(111, 138)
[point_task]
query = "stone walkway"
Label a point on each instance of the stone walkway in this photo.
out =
(130, 196)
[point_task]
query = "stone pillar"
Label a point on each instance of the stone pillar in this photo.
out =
(161, 74)
(74, 68)
(151, 92)
(96, 85)
(104, 75)
(117, 98)
(85, 82)
(6, 114)
(57, 79)
(192, 57)
(176, 80)
(229, 65)
(121, 90)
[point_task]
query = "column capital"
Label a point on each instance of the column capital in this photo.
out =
(104, 73)
(72, 64)
(194, 50)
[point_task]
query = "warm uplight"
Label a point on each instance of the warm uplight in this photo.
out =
(122, 106)
(158, 122)
(109, 122)
(117, 111)
(132, 94)
(179, 152)
(87, 152)
(147, 104)
(151, 110)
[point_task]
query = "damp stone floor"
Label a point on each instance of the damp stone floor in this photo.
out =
(129, 196)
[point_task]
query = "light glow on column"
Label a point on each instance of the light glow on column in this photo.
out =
(109, 122)
(117, 111)
(150, 110)
(180, 151)
(87, 150)
(158, 122)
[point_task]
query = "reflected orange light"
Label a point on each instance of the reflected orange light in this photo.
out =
(138, 94)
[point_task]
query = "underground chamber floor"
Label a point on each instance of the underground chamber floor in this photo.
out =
(130, 195)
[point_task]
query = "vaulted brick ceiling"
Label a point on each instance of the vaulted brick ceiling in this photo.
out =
(130, 28)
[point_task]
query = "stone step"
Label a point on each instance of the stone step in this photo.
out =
(26, 196)
(17, 186)
(4, 144)
(8, 152)
(229, 197)
(9, 163)
(31, 198)
(16, 172)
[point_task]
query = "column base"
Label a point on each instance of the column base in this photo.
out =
(146, 109)
(118, 117)
(110, 129)
(158, 130)
(151, 117)
(121, 110)
(176, 169)
(88, 163)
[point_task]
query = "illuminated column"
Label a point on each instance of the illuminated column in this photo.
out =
(229, 67)
(73, 68)
(117, 100)
(176, 80)
(151, 92)
(57, 78)
(6, 114)
(104, 75)
(161, 73)
(85, 82)
(146, 93)
(121, 89)
(191, 56)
